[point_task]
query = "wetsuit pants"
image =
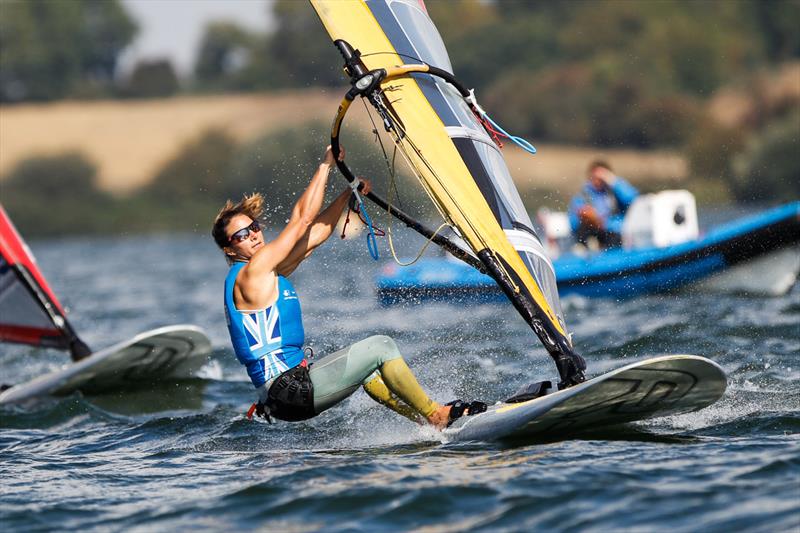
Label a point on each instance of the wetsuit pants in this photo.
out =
(376, 364)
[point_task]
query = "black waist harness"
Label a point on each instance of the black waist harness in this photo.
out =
(291, 395)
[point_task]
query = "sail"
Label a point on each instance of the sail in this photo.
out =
(30, 313)
(457, 162)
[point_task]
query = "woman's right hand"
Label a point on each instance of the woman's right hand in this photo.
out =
(365, 187)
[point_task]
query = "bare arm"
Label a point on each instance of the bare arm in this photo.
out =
(321, 229)
(317, 233)
(255, 283)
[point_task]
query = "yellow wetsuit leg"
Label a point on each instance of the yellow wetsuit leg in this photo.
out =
(379, 392)
(402, 382)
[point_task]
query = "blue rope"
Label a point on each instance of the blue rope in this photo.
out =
(372, 242)
(519, 141)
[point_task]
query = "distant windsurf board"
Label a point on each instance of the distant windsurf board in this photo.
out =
(171, 352)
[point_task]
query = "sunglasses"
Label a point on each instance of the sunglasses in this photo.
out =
(244, 233)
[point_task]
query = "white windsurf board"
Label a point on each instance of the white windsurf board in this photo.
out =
(170, 352)
(651, 388)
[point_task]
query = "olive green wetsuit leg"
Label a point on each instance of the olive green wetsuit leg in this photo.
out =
(336, 376)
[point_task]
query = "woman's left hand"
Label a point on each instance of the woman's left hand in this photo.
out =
(329, 159)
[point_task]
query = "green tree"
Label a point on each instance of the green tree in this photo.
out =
(769, 168)
(56, 195)
(302, 48)
(152, 79)
(487, 41)
(298, 53)
(200, 170)
(52, 49)
(225, 51)
(106, 30)
(188, 190)
(711, 148)
(778, 21)
(280, 165)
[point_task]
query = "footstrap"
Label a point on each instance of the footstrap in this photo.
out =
(531, 391)
(458, 407)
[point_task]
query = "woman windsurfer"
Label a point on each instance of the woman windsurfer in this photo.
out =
(265, 323)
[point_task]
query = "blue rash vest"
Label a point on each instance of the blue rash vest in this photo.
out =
(267, 341)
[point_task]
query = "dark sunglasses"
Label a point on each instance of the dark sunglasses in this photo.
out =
(244, 233)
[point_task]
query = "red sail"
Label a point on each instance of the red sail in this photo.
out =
(30, 313)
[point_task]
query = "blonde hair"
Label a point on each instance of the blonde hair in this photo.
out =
(251, 205)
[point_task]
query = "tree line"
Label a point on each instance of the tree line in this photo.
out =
(54, 49)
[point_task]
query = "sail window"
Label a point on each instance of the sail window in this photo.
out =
(420, 30)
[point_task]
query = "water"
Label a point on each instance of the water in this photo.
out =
(182, 456)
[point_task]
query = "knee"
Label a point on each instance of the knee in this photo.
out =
(383, 347)
(369, 379)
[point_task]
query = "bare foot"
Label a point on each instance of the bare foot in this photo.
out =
(440, 417)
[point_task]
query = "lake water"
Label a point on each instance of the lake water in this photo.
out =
(182, 456)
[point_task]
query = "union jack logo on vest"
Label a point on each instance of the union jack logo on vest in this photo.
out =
(263, 330)
(272, 365)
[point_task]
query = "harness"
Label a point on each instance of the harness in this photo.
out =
(290, 397)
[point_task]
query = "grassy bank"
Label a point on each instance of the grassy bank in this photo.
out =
(130, 141)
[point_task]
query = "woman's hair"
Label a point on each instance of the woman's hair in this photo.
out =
(251, 205)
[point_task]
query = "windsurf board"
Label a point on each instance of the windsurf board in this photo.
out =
(170, 352)
(656, 387)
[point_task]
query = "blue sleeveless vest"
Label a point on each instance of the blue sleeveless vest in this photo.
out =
(267, 341)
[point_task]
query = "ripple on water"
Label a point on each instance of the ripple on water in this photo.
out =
(182, 456)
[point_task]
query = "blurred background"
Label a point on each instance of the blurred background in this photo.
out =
(131, 116)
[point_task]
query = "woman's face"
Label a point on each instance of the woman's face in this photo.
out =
(244, 237)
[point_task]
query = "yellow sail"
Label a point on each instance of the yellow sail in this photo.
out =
(456, 161)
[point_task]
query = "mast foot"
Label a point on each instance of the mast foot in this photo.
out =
(570, 370)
